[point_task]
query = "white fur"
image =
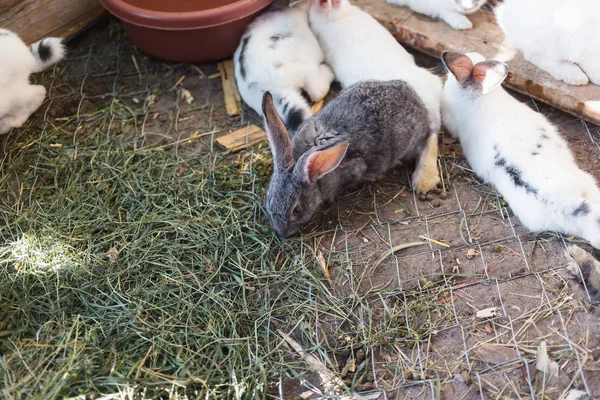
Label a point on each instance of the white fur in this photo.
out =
(358, 48)
(495, 127)
(451, 12)
(19, 99)
(284, 67)
(562, 37)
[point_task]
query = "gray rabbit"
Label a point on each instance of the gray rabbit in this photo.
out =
(358, 137)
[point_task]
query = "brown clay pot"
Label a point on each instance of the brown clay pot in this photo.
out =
(186, 30)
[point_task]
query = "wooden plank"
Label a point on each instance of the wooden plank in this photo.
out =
(433, 36)
(242, 138)
(33, 20)
(230, 90)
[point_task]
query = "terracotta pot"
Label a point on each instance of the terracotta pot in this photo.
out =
(199, 35)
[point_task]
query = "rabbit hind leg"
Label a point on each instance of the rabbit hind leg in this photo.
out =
(426, 176)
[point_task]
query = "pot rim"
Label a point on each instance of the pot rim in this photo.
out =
(184, 20)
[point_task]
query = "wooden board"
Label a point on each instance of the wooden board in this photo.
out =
(433, 37)
(33, 20)
(233, 101)
(242, 138)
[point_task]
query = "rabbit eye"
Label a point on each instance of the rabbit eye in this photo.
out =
(297, 211)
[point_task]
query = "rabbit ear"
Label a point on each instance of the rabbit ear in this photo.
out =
(278, 137)
(322, 162)
(490, 74)
(459, 64)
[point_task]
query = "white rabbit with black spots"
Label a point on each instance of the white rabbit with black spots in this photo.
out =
(280, 54)
(18, 97)
(518, 150)
(451, 12)
(562, 37)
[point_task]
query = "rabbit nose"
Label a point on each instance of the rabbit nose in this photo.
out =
(285, 232)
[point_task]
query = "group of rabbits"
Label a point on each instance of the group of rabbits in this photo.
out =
(390, 112)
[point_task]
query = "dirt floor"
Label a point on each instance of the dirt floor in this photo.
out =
(480, 256)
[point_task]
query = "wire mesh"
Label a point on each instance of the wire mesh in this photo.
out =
(447, 351)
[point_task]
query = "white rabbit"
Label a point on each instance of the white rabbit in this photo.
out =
(562, 37)
(451, 12)
(518, 150)
(359, 48)
(19, 98)
(280, 54)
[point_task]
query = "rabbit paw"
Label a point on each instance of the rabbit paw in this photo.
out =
(578, 254)
(592, 70)
(5, 125)
(562, 70)
(426, 177)
(457, 21)
(427, 182)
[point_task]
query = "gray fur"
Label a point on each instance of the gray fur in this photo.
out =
(384, 125)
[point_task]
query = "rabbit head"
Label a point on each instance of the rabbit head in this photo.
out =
(470, 72)
(293, 196)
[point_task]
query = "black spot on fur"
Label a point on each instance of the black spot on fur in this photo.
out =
(278, 65)
(516, 175)
(242, 59)
(539, 146)
(535, 153)
(277, 38)
(295, 118)
(544, 136)
(305, 96)
(583, 210)
(44, 51)
(285, 107)
(500, 162)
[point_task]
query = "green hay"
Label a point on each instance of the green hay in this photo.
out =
(133, 272)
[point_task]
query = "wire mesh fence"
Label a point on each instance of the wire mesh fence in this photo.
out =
(459, 316)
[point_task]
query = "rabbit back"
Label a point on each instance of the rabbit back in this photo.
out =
(371, 53)
(524, 156)
(385, 123)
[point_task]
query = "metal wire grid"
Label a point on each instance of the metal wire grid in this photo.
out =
(504, 319)
(426, 387)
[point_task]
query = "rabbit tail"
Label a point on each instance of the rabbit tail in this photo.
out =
(294, 107)
(47, 52)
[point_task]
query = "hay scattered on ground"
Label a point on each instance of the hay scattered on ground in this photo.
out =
(131, 270)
